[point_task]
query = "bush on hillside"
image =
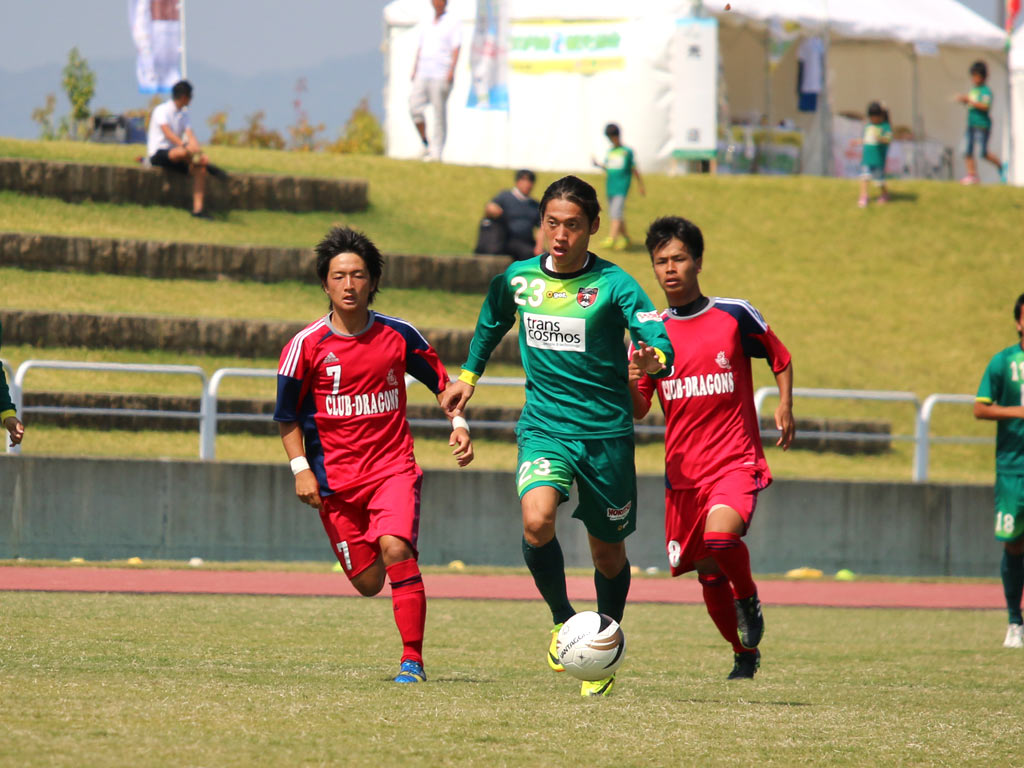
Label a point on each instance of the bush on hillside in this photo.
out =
(255, 135)
(362, 134)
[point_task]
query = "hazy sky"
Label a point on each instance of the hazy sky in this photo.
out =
(335, 44)
(238, 35)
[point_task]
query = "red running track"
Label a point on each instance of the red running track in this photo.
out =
(856, 594)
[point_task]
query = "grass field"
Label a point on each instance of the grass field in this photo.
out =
(915, 296)
(243, 681)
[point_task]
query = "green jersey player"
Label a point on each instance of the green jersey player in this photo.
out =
(573, 309)
(1000, 397)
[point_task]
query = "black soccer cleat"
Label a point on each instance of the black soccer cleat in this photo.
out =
(750, 621)
(745, 665)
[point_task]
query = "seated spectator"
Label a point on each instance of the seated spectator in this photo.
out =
(510, 221)
(171, 144)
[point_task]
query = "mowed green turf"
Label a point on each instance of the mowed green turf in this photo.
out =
(915, 296)
(244, 681)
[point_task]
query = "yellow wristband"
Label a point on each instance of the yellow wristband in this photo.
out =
(660, 354)
(5, 415)
(469, 377)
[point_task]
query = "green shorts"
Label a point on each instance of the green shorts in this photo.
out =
(1009, 507)
(605, 474)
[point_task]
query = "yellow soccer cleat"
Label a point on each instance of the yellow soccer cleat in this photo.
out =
(553, 661)
(598, 687)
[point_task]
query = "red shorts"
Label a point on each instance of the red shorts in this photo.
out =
(686, 513)
(356, 518)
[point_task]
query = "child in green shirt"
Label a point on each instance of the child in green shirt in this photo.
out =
(619, 168)
(979, 123)
(876, 140)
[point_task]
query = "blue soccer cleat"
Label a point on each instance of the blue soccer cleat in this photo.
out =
(411, 672)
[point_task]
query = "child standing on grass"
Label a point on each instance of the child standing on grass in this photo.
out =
(619, 168)
(979, 123)
(877, 137)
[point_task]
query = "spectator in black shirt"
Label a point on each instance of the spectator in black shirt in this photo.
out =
(511, 223)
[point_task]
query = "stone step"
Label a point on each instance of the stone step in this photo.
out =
(139, 185)
(809, 430)
(206, 261)
(201, 336)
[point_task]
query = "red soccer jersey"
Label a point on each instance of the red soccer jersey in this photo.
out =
(347, 393)
(708, 398)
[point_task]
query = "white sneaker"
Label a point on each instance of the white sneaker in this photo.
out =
(1014, 636)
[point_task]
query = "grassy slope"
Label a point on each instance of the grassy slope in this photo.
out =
(914, 296)
(219, 680)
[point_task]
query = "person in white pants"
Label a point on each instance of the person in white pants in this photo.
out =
(432, 76)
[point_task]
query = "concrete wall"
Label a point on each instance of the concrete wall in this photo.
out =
(206, 261)
(75, 182)
(106, 509)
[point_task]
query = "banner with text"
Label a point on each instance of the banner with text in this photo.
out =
(488, 57)
(556, 45)
(156, 30)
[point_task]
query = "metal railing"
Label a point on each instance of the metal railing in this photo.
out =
(841, 394)
(18, 389)
(208, 427)
(208, 415)
(923, 438)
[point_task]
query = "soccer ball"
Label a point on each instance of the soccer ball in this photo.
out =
(591, 646)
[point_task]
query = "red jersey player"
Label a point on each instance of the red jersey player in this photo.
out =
(341, 411)
(714, 462)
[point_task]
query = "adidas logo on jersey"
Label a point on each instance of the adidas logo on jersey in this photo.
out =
(331, 358)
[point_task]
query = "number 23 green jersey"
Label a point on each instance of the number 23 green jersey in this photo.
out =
(571, 331)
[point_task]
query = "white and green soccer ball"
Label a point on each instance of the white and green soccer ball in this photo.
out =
(591, 646)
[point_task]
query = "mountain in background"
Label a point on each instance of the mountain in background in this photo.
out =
(334, 88)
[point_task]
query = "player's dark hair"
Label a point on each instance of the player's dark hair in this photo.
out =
(525, 173)
(979, 68)
(180, 89)
(874, 108)
(575, 190)
(1016, 311)
(668, 228)
(611, 130)
(348, 240)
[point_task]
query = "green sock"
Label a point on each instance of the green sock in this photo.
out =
(547, 566)
(611, 593)
(1012, 572)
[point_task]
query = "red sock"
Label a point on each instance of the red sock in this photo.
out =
(410, 604)
(718, 599)
(733, 559)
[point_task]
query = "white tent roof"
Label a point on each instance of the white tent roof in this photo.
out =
(1017, 49)
(940, 22)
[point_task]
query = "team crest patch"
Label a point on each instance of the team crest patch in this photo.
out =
(586, 296)
(392, 379)
(723, 361)
(620, 513)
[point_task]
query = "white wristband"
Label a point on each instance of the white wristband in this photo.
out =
(299, 464)
(458, 421)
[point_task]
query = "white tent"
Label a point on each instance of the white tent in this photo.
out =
(911, 54)
(1017, 99)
